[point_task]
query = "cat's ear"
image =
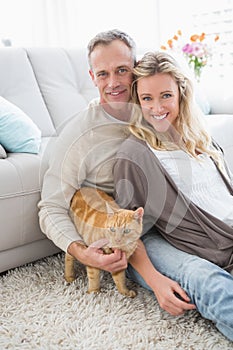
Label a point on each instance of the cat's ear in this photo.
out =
(109, 209)
(138, 214)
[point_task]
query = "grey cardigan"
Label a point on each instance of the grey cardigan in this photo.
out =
(141, 180)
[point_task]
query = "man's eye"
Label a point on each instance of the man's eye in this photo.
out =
(122, 70)
(101, 74)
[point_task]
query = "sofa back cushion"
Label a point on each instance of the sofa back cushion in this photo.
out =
(19, 86)
(64, 81)
(220, 127)
(219, 92)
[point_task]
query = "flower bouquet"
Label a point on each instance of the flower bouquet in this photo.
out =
(196, 51)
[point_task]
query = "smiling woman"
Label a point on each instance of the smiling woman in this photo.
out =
(171, 166)
(159, 98)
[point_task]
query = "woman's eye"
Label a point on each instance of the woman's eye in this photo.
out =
(112, 229)
(147, 98)
(126, 230)
(166, 96)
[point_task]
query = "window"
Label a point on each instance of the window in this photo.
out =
(218, 19)
(209, 16)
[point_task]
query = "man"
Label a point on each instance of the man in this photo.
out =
(111, 58)
(84, 155)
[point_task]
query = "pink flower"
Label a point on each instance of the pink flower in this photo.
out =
(195, 49)
(197, 52)
(187, 48)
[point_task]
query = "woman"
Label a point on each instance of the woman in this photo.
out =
(172, 167)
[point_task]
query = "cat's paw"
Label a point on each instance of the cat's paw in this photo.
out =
(129, 293)
(69, 278)
(94, 291)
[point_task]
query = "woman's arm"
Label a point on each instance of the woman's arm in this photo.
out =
(163, 287)
(131, 191)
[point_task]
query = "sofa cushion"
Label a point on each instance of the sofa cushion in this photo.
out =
(219, 92)
(2, 152)
(19, 195)
(65, 84)
(201, 98)
(220, 127)
(18, 133)
(19, 86)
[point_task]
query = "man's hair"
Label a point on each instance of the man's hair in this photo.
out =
(107, 37)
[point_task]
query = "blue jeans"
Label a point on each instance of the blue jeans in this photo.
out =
(209, 287)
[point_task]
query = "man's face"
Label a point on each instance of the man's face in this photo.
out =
(112, 72)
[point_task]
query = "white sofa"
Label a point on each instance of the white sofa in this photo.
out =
(50, 85)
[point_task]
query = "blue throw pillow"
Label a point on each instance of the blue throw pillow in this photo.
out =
(18, 133)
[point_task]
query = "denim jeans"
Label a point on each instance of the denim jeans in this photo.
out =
(209, 287)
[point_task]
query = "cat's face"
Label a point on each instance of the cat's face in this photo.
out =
(124, 227)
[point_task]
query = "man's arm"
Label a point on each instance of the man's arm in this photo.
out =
(65, 175)
(60, 182)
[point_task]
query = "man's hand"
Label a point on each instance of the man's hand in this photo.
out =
(95, 257)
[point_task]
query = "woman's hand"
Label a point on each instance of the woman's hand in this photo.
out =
(171, 297)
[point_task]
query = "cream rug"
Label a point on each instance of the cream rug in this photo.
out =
(39, 311)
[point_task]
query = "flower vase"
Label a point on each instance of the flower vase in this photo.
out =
(200, 95)
(197, 74)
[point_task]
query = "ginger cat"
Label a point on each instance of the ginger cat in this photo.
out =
(97, 217)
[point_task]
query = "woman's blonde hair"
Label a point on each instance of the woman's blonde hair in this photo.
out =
(188, 125)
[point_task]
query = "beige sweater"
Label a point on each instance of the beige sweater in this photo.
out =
(83, 156)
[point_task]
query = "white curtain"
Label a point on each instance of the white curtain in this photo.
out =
(39, 22)
(74, 22)
(55, 22)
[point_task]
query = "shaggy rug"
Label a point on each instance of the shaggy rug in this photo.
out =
(38, 310)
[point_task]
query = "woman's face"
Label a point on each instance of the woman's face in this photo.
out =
(159, 99)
